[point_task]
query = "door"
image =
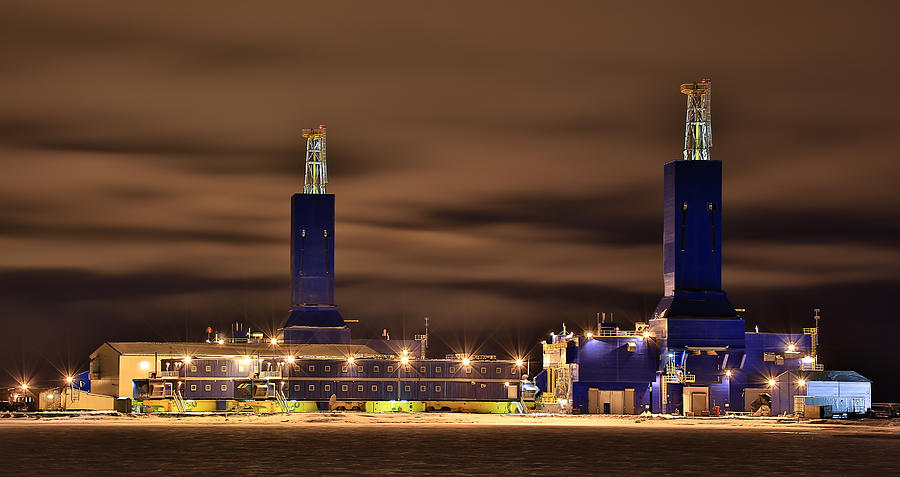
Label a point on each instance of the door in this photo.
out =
(699, 403)
(593, 401)
(617, 402)
(629, 401)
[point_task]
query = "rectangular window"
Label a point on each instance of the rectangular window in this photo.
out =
(208, 368)
(312, 368)
(498, 371)
(375, 369)
(344, 368)
(407, 388)
(512, 370)
(452, 370)
(422, 388)
(224, 369)
(344, 388)
(374, 387)
(390, 369)
(421, 369)
(437, 389)
(390, 388)
(327, 368)
(468, 370)
(437, 369)
(359, 369)
(359, 388)
(327, 387)
(224, 387)
(296, 387)
(193, 369)
(193, 387)
(312, 387)
(483, 370)
(208, 387)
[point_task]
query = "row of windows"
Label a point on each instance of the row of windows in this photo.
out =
(360, 388)
(422, 369)
(224, 369)
(208, 387)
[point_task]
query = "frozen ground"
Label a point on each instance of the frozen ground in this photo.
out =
(444, 444)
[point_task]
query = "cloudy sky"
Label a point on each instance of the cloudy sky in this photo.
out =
(497, 167)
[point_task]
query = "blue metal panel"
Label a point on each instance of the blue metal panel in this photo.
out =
(312, 249)
(82, 381)
(608, 360)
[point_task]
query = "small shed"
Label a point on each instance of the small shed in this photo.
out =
(845, 391)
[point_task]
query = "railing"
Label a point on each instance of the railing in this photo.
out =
(810, 331)
(169, 374)
(270, 374)
(620, 333)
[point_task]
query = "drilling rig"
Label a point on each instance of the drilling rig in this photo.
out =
(698, 122)
(316, 177)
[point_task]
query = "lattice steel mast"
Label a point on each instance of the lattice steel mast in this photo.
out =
(316, 169)
(698, 123)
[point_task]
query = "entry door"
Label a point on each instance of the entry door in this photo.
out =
(629, 401)
(699, 403)
(617, 402)
(593, 401)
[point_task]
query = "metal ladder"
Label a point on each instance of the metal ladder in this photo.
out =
(179, 402)
(282, 401)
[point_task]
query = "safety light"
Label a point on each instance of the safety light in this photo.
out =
(589, 335)
(646, 334)
(24, 386)
(69, 379)
(519, 362)
(145, 365)
(801, 382)
(274, 341)
(221, 341)
(351, 359)
(404, 360)
(728, 373)
(791, 348)
(406, 351)
(187, 360)
(771, 383)
(289, 359)
(465, 361)
(50, 396)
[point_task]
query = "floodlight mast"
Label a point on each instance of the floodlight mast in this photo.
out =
(698, 122)
(316, 176)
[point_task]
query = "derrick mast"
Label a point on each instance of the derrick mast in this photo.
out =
(697, 122)
(316, 176)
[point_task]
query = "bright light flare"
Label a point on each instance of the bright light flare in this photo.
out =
(50, 397)
(274, 341)
(465, 361)
(69, 379)
(187, 360)
(520, 362)
(801, 382)
(589, 335)
(728, 373)
(405, 351)
(771, 383)
(289, 359)
(221, 341)
(791, 348)
(646, 334)
(145, 365)
(351, 360)
(404, 360)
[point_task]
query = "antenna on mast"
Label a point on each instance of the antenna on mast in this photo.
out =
(316, 176)
(698, 121)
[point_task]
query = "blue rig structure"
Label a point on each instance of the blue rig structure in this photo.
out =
(693, 356)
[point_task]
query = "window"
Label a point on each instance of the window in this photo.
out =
(452, 370)
(468, 370)
(208, 387)
(498, 370)
(193, 369)
(483, 385)
(344, 388)
(193, 387)
(312, 387)
(390, 369)
(327, 388)
(421, 369)
(407, 388)
(344, 368)
(390, 388)
(224, 369)
(422, 388)
(327, 368)
(208, 368)
(359, 369)
(312, 368)
(224, 387)
(484, 370)
(375, 369)
(359, 388)
(512, 370)
(437, 389)
(374, 387)
(437, 369)
(296, 387)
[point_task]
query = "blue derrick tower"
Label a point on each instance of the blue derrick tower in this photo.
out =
(699, 333)
(314, 317)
